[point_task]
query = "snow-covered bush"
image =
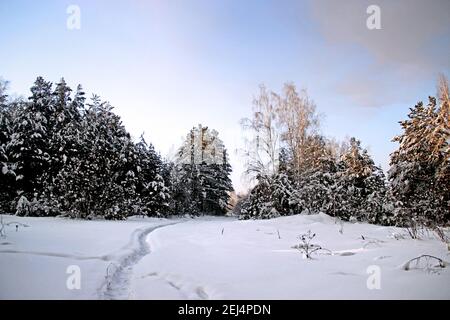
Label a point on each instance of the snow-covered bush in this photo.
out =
(23, 207)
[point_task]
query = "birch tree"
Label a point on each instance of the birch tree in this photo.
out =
(262, 137)
(298, 122)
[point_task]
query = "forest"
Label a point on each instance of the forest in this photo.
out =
(64, 155)
(61, 155)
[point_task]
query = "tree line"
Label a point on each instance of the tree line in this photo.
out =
(61, 155)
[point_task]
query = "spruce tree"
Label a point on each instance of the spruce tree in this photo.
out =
(153, 193)
(359, 186)
(284, 196)
(7, 168)
(29, 144)
(201, 174)
(316, 186)
(259, 203)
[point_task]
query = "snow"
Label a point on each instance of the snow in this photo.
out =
(249, 261)
(34, 260)
(215, 258)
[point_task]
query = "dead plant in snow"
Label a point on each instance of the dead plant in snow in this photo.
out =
(425, 262)
(306, 247)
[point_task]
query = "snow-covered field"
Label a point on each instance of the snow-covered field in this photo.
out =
(216, 258)
(34, 260)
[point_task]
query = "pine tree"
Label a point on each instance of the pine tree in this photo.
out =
(316, 186)
(378, 206)
(99, 177)
(159, 196)
(315, 182)
(114, 171)
(419, 167)
(440, 155)
(284, 196)
(359, 187)
(201, 174)
(259, 203)
(224, 186)
(7, 168)
(215, 187)
(153, 193)
(5, 117)
(64, 125)
(182, 189)
(29, 143)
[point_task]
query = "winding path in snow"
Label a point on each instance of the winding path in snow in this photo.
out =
(117, 280)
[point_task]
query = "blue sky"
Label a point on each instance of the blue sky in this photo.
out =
(169, 65)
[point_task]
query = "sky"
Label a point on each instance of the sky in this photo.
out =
(167, 65)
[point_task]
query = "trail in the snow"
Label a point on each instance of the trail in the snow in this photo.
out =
(118, 277)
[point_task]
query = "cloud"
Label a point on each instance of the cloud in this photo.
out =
(412, 44)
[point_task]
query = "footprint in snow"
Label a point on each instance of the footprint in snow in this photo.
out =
(341, 273)
(347, 253)
(151, 274)
(381, 258)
